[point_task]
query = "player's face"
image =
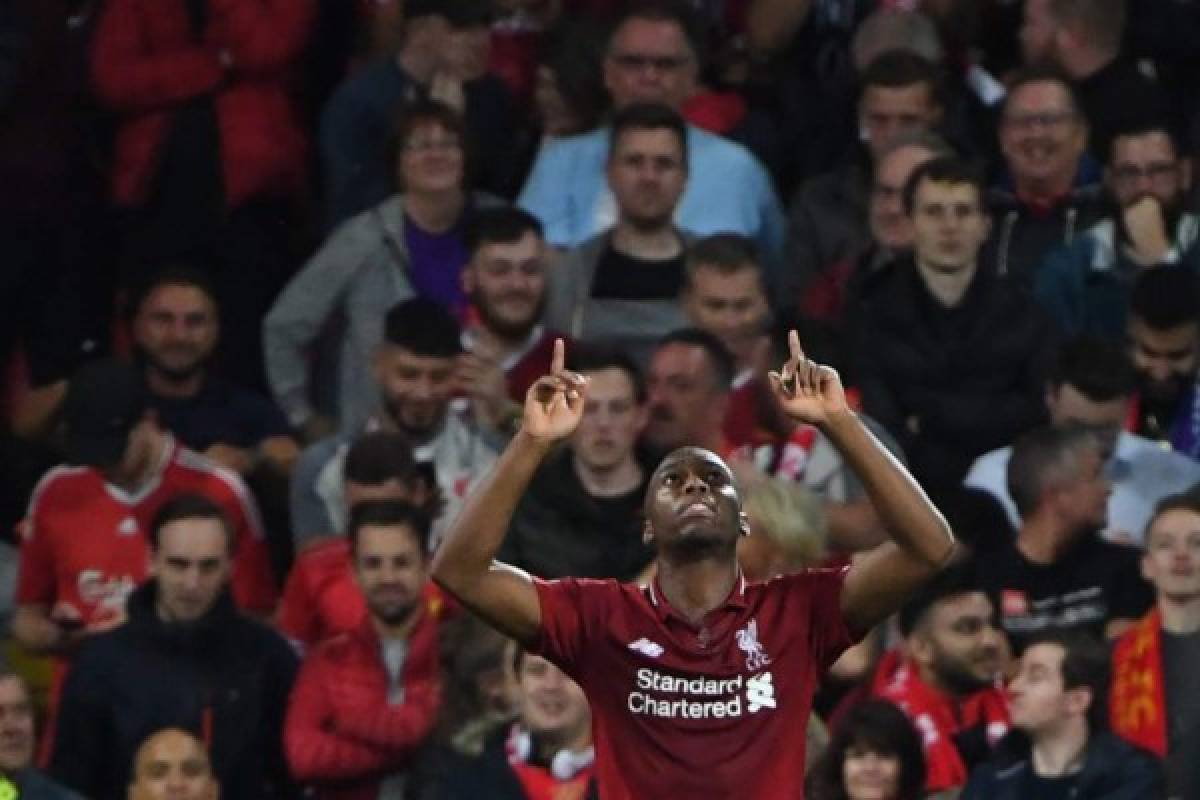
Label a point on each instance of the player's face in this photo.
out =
(192, 566)
(868, 775)
(391, 570)
(693, 503)
(552, 705)
(730, 305)
(1172, 559)
(416, 389)
(647, 173)
(16, 726)
(176, 330)
(949, 225)
(172, 765)
(612, 421)
(960, 643)
(506, 282)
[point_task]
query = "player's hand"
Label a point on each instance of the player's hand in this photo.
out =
(554, 404)
(807, 391)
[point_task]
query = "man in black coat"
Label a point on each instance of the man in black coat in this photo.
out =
(951, 359)
(186, 658)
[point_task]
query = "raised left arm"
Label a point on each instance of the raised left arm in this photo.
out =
(920, 540)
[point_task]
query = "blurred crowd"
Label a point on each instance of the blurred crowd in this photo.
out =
(276, 275)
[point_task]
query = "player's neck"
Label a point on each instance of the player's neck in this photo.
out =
(695, 588)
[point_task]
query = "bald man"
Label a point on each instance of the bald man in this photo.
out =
(172, 764)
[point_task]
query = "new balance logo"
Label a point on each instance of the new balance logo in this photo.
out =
(760, 693)
(647, 647)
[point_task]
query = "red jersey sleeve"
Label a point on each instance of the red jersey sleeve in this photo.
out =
(36, 580)
(253, 583)
(829, 635)
(573, 609)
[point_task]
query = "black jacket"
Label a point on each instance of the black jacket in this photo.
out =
(971, 378)
(1112, 770)
(224, 674)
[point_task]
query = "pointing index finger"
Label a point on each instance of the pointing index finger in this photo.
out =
(559, 360)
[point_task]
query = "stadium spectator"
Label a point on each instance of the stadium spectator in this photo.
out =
(18, 742)
(687, 392)
(582, 514)
(900, 93)
(1092, 386)
(410, 245)
(651, 59)
(172, 765)
(950, 358)
(1164, 341)
(367, 699)
(1050, 190)
(948, 677)
(1058, 700)
(209, 156)
(414, 369)
(321, 597)
(1154, 699)
(186, 658)
(623, 283)
(1057, 573)
(875, 754)
(441, 57)
(1085, 286)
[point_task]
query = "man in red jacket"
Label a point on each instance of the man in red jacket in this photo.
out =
(209, 149)
(366, 700)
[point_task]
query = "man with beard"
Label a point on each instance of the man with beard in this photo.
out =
(415, 370)
(1164, 339)
(366, 700)
(582, 513)
(689, 676)
(176, 328)
(1057, 573)
(506, 348)
(1085, 285)
(624, 283)
(949, 680)
(185, 659)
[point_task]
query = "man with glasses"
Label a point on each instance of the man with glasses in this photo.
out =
(1050, 192)
(1092, 385)
(652, 57)
(1085, 286)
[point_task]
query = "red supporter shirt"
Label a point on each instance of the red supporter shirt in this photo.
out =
(321, 597)
(84, 541)
(715, 712)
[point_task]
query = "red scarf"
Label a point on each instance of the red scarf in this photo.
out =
(937, 718)
(1137, 701)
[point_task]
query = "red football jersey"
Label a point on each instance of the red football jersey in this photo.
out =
(84, 541)
(718, 711)
(321, 597)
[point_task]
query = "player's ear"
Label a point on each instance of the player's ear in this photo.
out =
(743, 523)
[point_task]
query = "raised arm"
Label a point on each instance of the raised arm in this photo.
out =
(465, 563)
(921, 542)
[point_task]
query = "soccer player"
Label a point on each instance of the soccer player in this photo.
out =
(700, 682)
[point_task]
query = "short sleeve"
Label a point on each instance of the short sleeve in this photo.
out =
(829, 635)
(572, 610)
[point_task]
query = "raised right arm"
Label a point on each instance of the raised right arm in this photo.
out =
(465, 564)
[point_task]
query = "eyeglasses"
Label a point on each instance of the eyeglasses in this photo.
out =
(1044, 119)
(640, 61)
(1134, 173)
(429, 145)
